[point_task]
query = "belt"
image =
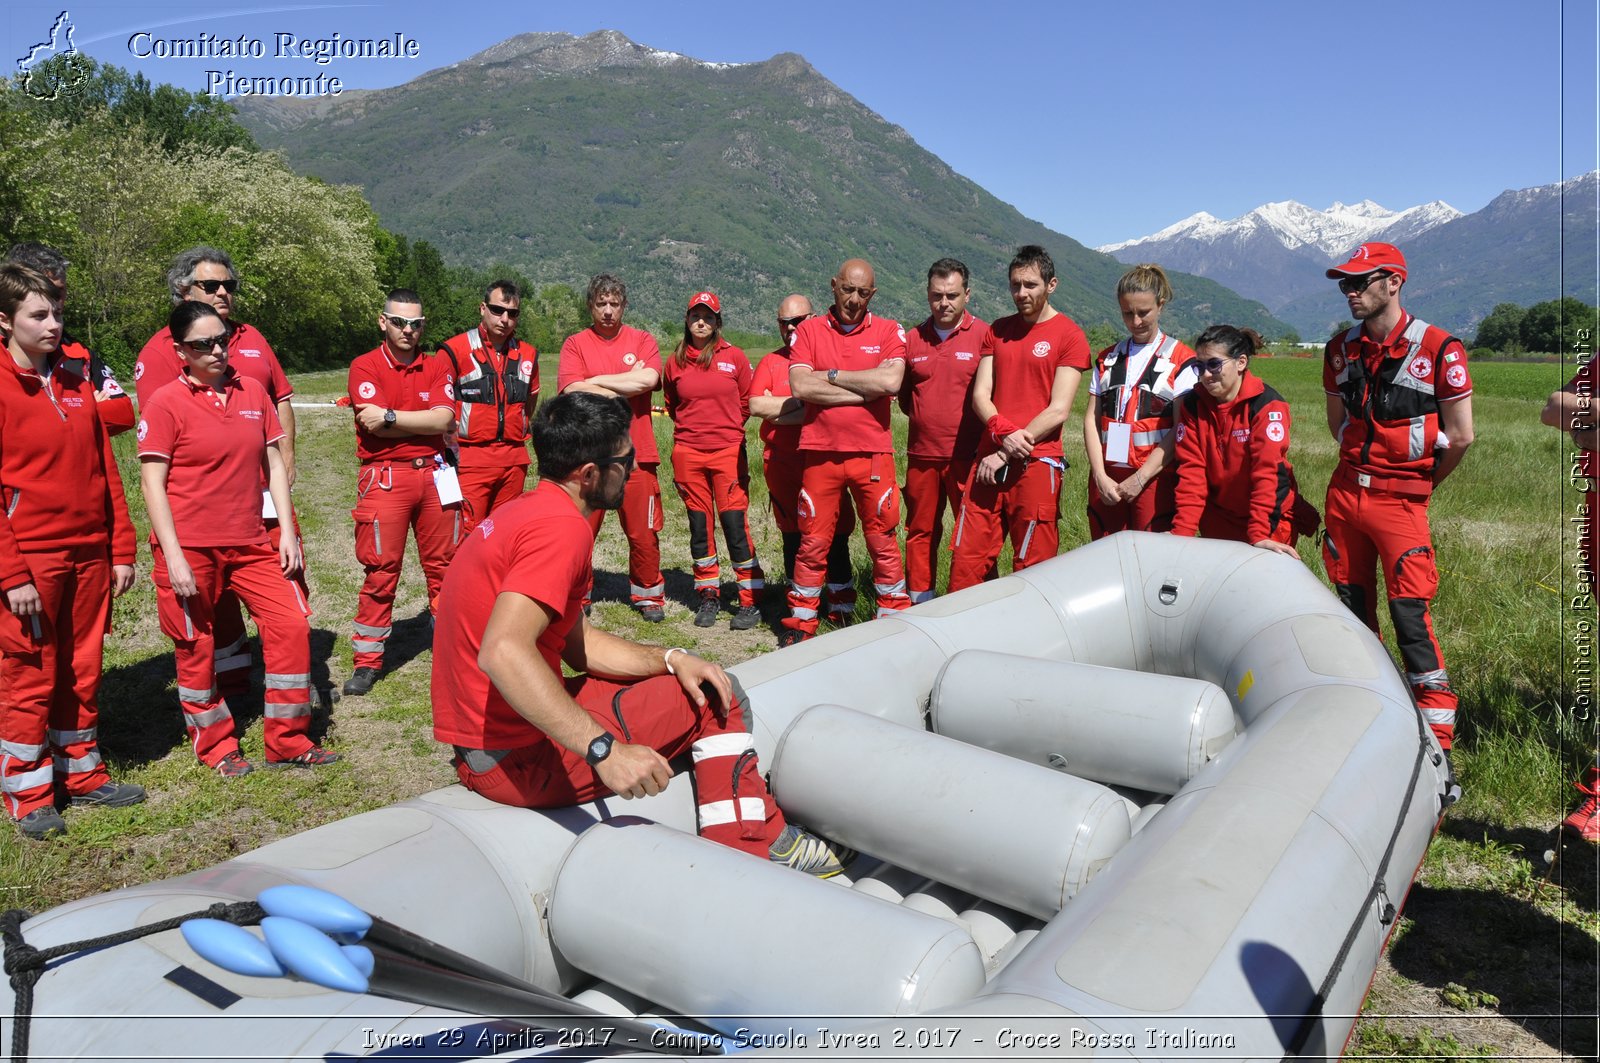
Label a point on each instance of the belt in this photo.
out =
(1393, 485)
(415, 463)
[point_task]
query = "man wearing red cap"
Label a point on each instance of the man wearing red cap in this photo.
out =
(847, 366)
(1400, 408)
(621, 362)
(941, 358)
(497, 384)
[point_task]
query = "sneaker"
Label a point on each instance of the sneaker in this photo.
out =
(1584, 823)
(709, 609)
(315, 757)
(790, 636)
(808, 853)
(653, 614)
(745, 619)
(42, 823)
(234, 766)
(360, 681)
(111, 795)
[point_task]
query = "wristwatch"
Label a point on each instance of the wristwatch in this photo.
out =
(599, 749)
(388, 418)
(833, 376)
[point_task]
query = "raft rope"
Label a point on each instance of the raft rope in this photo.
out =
(24, 963)
(1380, 888)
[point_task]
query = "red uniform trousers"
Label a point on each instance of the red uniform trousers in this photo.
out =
(930, 483)
(50, 679)
(783, 471)
(279, 610)
(642, 523)
(485, 488)
(733, 805)
(1025, 508)
(1368, 527)
(714, 485)
(227, 621)
(869, 480)
(1152, 510)
(392, 497)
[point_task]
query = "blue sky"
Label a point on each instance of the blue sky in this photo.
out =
(1104, 121)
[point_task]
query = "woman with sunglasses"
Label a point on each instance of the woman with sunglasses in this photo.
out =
(66, 549)
(706, 383)
(1128, 424)
(1232, 450)
(206, 442)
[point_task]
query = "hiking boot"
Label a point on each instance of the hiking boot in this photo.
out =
(653, 614)
(234, 766)
(807, 852)
(42, 823)
(111, 795)
(360, 681)
(791, 636)
(708, 612)
(1584, 823)
(315, 757)
(746, 618)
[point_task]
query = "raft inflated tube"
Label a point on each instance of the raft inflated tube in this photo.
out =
(698, 934)
(1016, 834)
(1160, 731)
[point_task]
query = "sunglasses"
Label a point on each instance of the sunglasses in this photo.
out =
(1213, 365)
(512, 312)
(207, 345)
(792, 322)
(626, 460)
(210, 287)
(1357, 285)
(403, 323)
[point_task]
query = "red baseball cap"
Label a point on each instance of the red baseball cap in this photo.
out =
(705, 299)
(1369, 258)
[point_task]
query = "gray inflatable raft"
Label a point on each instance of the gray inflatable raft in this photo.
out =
(1157, 798)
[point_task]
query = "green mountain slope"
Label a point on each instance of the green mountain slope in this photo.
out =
(565, 156)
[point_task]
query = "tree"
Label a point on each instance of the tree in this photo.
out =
(1551, 327)
(1102, 335)
(1290, 338)
(1501, 330)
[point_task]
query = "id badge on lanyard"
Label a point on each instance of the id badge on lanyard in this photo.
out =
(446, 484)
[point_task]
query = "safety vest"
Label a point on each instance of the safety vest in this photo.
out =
(1148, 410)
(507, 392)
(1391, 413)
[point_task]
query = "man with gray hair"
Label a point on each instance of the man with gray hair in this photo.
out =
(206, 275)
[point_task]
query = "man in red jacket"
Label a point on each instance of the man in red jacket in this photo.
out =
(206, 275)
(496, 380)
(846, 367)
(66, 549)
(941, 360)
(618, 361)
(1400, 410)
(404, 404)
(115, 405)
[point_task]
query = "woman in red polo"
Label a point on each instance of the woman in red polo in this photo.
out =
(707, 387)
(1232, 450)
(204, 441)
(1127, 425)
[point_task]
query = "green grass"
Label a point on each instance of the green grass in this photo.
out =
(1487, 913)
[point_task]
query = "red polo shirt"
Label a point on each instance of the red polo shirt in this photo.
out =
(214, 445)
(709, 404)
(424, 384)
(538, 546)
(586, 354)
(937, 395)
(771, 377)
(821, 344)
(1026, 358)
(249, 355)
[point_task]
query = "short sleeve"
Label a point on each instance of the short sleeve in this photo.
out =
(1453, 380)
(363, 383)
(571, 368)
(157, 432)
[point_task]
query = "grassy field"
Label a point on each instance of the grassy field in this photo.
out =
(1496, 955)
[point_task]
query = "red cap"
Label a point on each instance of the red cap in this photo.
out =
(705, 299)
(1368, 258)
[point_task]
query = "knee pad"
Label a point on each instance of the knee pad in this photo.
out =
(699, 540)
(1417, 648)
(734, 530)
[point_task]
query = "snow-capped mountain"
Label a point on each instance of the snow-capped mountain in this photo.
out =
(1332, 232)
